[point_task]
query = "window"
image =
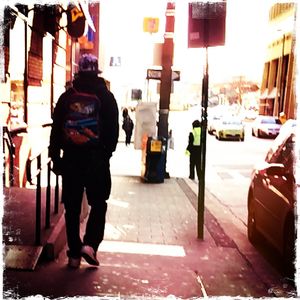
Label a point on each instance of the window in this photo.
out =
(284, 154)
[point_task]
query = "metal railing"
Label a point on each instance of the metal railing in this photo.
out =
(8, 142)
(37, 174)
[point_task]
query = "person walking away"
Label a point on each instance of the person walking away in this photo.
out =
(127, 126)
(125, 112)
(85, 126)
(193, 149)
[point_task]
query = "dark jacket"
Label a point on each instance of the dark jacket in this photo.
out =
(127, 125)
(108, 113)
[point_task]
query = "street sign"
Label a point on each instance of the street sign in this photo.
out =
(156, 74)
(175, 75)
(206, 25)
(153, 74)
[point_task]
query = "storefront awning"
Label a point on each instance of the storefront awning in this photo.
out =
(273, 94)
(264, 95)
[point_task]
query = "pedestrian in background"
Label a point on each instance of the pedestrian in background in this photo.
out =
(127, 126)
(85, 126)
(193, 149)
(282, 117)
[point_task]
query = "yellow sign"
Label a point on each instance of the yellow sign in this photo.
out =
(155, 146)
(75, 14)
(151, 25)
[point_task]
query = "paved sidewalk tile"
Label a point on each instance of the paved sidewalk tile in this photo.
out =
(142, 212)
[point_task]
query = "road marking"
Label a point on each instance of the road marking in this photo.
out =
(142, 248)
(238, 176)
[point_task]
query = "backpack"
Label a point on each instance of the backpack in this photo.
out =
(81, 123)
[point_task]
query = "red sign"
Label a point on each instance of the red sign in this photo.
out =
(206, 24)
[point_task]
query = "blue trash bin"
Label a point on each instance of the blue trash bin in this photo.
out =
(155, 160)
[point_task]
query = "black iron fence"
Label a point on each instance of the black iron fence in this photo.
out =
(38, 172)
(36, 167)
(8, 142)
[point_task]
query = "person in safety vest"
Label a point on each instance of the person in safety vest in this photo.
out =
(193, 149)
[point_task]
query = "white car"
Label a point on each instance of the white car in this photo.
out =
(266, 126)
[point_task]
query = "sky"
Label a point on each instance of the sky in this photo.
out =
(243, 54)
(245, 45)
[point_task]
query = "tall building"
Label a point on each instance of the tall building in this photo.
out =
(278, 82)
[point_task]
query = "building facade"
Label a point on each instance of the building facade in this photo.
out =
(277, 88)
(42, 44)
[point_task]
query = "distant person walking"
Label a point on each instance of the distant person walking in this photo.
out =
(127, 126)
(85, 126)
(193, 149)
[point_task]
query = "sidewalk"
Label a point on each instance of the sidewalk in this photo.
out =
(151, 251)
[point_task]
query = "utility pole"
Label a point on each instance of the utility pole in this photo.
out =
(166, 74)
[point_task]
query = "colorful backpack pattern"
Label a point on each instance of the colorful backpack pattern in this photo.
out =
(81, 124)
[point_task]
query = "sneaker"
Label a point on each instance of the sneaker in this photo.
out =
(74, 262)
(89, 255)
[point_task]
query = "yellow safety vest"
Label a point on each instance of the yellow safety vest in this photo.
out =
(197, 136)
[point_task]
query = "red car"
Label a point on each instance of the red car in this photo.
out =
(272, 196)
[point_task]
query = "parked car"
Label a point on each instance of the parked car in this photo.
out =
(272, 196)
(287, 125)
(230, 128)
(266, 126)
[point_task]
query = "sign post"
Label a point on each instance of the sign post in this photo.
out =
(206, 29)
